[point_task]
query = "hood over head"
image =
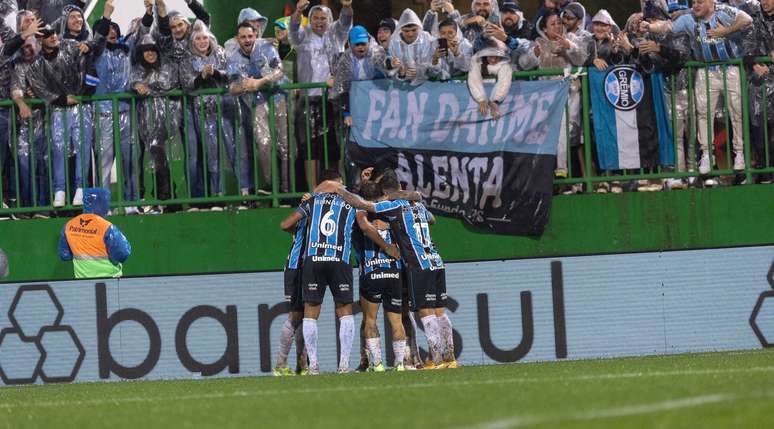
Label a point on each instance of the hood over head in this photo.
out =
(199, 27)
(409, 17)
(96, 201)
(577, 10)
(325, 9)
(604, 17)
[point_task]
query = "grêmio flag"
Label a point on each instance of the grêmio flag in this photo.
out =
(497, 174)
(631, 122)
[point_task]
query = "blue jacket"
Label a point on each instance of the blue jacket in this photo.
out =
(97, 201)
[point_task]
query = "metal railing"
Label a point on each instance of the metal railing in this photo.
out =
(240, 144)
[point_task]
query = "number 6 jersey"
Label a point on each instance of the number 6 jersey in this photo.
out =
(329, 228)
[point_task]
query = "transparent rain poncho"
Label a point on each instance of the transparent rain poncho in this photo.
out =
(158, 125)
(416, 55)
(316, 54)
(53, 79)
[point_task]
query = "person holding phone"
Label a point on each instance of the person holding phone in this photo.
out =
(440, 10)
(484, 14)
(452, 52)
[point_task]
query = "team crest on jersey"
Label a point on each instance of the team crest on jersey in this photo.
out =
(624, 87)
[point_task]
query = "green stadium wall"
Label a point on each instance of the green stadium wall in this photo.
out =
(210, 242)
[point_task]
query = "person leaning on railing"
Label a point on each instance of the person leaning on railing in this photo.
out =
(452, 53)
(555, 49)
(31, 147)
(317, 46)
(153, 77)
(11, 45)
(266, 63)
(56, 77)
(114, 69)
(667, 54)
(364, 60)
(761, 77)
(244, 86)
(411, 50)
(207, 69)
(716, 30)
(174, 41)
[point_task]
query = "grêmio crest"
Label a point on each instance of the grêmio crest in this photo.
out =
(624, 87)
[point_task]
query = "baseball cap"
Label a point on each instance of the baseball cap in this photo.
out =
(358, 35)
(511, 6)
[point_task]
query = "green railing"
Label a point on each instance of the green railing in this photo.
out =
(287, 112)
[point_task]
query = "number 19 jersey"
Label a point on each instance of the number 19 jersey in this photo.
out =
(410, 225)
(329, 228)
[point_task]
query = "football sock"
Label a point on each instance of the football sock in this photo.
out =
(447, 337)
(285, 342)
(374, 350)
(301, 360)
(346, 335)
(310, 338)
(399, 348)
(413, 342)
(433, 338)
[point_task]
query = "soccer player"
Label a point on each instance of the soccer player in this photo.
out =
(380, 283)
(326, 265)
(292, 326)
(410, 223)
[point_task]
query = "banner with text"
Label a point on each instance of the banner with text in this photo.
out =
(546, 309)
(495, 173)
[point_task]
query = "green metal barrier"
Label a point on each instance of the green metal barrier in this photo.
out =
(186, 139)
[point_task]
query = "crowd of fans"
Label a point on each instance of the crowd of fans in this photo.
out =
(53, 55)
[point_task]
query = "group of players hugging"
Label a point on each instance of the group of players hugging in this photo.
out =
(400, 269)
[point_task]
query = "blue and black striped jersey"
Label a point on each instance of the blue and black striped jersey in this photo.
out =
(296, 255)
(329, 228)
(370, 256)
(410, 226)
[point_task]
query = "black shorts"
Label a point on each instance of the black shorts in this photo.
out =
(293, 289)
(382, 287)
(427, 288)
(319, 275)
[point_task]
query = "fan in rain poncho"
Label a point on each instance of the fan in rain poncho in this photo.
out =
(411, 50)
(482, 14)
(153, 76)
(6, 148)
(32, 153)
(555, 49)
(761, 87)
(364, 60)
(207, 69)
(51, 10)
(174, 40)
(492, 60)
(440, 10)
(113, 69)
(251, 16)
(317, 46)
(56, 77)
(265, 63)
(455, 59)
